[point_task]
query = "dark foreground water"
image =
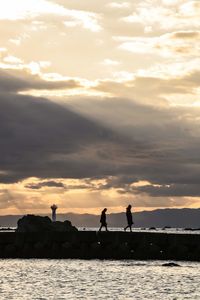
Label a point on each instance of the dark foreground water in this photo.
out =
(95, 279)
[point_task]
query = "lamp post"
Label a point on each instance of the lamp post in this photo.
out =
(53, 208)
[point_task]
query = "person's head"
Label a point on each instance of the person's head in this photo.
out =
(105, 209)
(129, 207)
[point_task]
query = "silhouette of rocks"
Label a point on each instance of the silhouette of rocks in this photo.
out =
(63, 226)
(191, 229)
(152, 228)
(170, 264)
(166, 227)
(32, 223)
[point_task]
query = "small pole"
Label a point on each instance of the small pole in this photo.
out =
(53, 208)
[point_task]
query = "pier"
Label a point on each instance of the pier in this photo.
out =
(100, 245)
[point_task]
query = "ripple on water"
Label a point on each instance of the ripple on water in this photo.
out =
(96, 279)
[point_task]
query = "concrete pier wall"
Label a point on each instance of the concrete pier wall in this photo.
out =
(104, 245)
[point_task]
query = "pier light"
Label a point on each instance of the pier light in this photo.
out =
(53, 209)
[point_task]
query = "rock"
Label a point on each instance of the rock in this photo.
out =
(166, 227)
(32, 223)
(152, 228)
(170, 264)
(63, 226)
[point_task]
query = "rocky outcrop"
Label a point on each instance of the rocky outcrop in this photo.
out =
(32, 223)
(170, 264)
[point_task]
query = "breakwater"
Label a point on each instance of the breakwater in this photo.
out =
(103, 245)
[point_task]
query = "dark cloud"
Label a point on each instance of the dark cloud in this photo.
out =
(163, 142)
(174, 190)
(22, 80)
(50, 183)
(128, 185)
(43, 139)
(116, 139)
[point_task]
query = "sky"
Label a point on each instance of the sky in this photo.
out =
(99, 105)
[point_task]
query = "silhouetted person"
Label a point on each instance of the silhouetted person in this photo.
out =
(103, 219)
(129, 218)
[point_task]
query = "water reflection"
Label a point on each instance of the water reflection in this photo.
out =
(96, 279)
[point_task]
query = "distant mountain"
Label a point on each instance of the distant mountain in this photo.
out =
(179, 218)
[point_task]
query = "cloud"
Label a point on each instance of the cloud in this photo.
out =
(22, 80)
(32, 9)
(119, 5)
(86, 19)
(174, 190)
(180, 14)
(12, 59)
(160, 90)
(178, 43)
(50, 183)
(131, 186)
(162, 143)
(43, 139)
(186, 34)
(110, 62)
(142, 60)
(109, 146)
(98, 138)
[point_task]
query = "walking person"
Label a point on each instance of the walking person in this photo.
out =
(129, 218)
(103, 219)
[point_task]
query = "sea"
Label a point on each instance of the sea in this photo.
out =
(134, 229)
(97, 279)
(46, 279)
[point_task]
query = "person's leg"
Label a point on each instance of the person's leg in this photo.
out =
(100, 227)
(126, 228)
(106, 227)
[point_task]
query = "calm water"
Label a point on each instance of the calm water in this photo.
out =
(95, 279)
(134, 229)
